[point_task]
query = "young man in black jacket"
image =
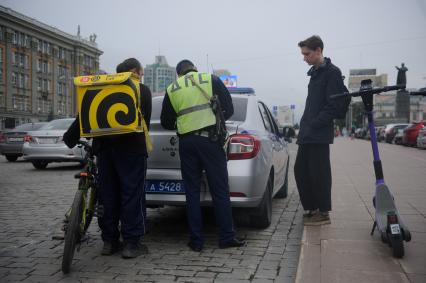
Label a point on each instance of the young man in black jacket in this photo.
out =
(122, 167)
(312, 168)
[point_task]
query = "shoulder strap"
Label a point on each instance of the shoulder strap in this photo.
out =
(203, 92)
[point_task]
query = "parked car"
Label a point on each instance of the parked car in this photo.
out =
(46, 145)
(380, 133)
(11, 141)
(360, 133)
(258, 161)
(411, 133)
(391, 130)
(398, 137)
(421, 139)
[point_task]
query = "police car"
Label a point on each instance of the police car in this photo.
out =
(258, 160)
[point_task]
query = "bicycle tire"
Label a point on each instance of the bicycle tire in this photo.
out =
(72, 234)
(90, 207)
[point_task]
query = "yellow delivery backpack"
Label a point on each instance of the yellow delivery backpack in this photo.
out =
(110, 105)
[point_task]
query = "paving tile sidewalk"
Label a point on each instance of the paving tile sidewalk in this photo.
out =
(344, 251)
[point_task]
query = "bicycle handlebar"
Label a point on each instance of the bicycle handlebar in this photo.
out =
(366, 91)
(87, 147)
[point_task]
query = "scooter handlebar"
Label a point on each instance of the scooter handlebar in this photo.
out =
(369, 91)
(421, 92)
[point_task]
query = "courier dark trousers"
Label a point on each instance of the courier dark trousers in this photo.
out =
(121, 183)
(198, 153)
(312, 172)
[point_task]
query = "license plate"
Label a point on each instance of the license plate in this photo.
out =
(166, 187)
(395, 229)
(46, 140)
(15, 139)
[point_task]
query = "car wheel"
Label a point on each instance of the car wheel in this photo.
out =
(39, 164)
(11, 158)
(262, 215)
(283, 192)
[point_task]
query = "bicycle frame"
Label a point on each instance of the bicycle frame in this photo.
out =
(89, 179)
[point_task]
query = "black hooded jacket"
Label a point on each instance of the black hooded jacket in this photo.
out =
(316, 125)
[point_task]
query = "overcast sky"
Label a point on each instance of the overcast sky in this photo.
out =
(255, 40)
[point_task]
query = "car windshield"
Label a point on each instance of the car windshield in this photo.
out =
(29, 127)
(240, 109)
(62, 124)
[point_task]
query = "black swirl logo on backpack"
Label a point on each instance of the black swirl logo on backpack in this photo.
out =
(121, 117)
(105, 110)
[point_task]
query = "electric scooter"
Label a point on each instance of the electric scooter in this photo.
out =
(387, 220)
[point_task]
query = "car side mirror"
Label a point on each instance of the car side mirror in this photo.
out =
(288, 134)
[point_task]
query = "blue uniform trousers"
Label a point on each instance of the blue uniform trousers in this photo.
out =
(121, 183)
(198, 153)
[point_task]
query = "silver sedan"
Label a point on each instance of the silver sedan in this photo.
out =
(11, 142)
(257, 166)
(46, 145)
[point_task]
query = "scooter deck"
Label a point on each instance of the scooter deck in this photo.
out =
(385, 204)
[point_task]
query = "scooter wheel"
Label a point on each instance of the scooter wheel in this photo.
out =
(407, 235)
(397, 245)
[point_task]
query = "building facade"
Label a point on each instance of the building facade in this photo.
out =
(385, 109)
(354, 83)
(159, 76)
(221, 72)
(358, 75)
(37, 66)
(284, 115)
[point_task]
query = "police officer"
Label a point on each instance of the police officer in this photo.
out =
(186, 109)
(122, 164)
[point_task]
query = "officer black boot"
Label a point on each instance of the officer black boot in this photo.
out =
(233, 243)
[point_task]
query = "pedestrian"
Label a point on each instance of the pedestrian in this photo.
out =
(186, 109)
(121, 161)
(312, 168)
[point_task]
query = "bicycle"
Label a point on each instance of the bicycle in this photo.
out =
(83, 207)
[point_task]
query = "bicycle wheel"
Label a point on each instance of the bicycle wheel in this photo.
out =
(90, 198)
(73, 233)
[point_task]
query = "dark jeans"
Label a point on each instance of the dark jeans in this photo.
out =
(198, 153)
(122, 194)
(312, 171)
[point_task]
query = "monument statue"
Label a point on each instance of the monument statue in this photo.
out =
(402, 102)
(401, 78)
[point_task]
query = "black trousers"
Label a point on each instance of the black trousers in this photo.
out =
(312, 171)
(198, 153)
(122, 194)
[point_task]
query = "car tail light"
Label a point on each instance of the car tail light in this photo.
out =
(243, 147)
(2, 138)
(28, 138)
(237, 194)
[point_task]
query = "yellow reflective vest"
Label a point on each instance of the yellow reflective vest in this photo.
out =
(191, 106)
